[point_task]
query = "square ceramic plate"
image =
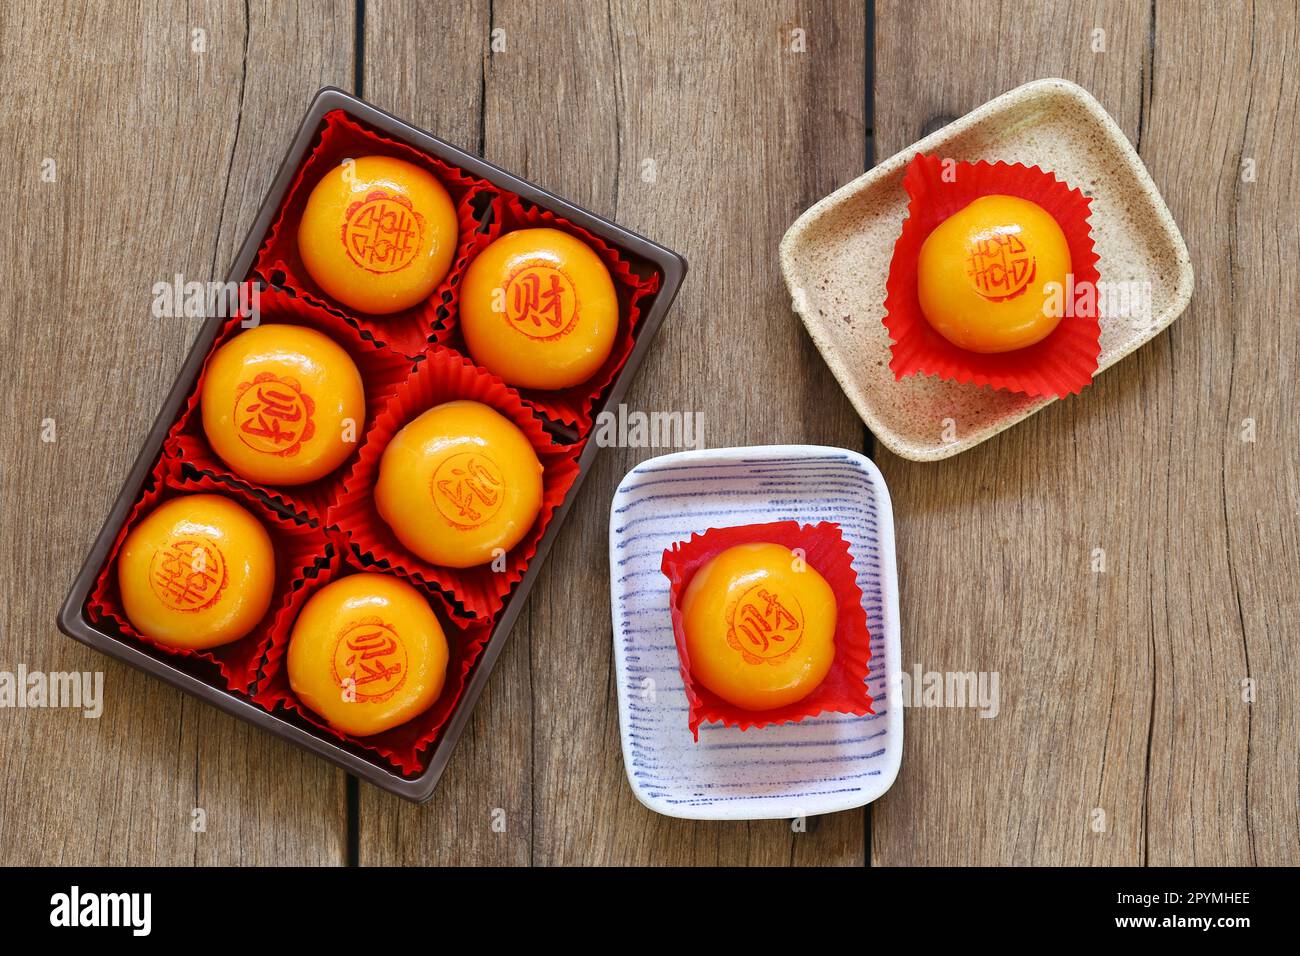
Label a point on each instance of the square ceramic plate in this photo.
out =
(819, 765)
(835, 259)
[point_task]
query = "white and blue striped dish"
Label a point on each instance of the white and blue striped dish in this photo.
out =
(820, 765)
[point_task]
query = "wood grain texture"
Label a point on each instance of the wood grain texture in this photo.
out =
(161, 154)
(1122, 690)
(707, 130)
(428, 65)
(1224, 782)
(742, 134)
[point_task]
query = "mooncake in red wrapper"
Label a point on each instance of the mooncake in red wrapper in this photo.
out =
(381, 370)
(297, 547)
(443, 379)
(403, 745)
(758, 631)
(943, 320)
(280, 260)
(569, 405)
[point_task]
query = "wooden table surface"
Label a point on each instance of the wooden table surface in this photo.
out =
(1128, 731)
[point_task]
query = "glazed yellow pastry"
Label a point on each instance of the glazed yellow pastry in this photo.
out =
(538, 309)
(378, 234)
(984, 272)
(759, 626)
(459, 484)
(367, 654)
(282, 404)
(196, 572)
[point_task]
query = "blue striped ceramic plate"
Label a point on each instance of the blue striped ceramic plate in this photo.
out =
(820, 765)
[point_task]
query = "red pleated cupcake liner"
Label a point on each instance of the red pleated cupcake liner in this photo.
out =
(382, 371)
(446, 376)
(844, 690)
(402, 746)
(569, 406)
(298, 547)
(279, 260)
(1063, 362)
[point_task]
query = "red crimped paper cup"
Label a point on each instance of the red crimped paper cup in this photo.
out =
(297, 546)
(1061, 364)
(844, 691)
(382, 371)
(402, 745)
(568, 406)
(445, 376)
(343, 138)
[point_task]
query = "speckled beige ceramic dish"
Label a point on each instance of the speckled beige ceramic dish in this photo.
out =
(836, 260)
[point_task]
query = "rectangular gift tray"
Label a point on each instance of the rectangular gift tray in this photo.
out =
(198, 677)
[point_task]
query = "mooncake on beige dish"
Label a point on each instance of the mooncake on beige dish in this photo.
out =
(835, 259)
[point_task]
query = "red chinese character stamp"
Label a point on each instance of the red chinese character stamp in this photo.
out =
(468, 489)
(188, 574)
(370, 660)
(540, 301)
(765, 627)
(273, 415)
(1000, 266)
(383, 232)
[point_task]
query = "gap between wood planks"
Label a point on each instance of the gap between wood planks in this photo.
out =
(869, 118)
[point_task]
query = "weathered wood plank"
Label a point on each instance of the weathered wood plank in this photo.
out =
(1221, 123)
(710, 137)
(994, 546)
(1120, 690)
(427, 64)
(162, 152)
(743, 132)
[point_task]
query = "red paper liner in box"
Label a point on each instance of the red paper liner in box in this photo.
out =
(1060, 364)
(844, 689)
(382, 370)
(342, 138)
(445, 376)
(401, 745)
(568, 406)
(298, 546)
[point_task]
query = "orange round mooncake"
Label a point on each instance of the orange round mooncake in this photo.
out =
(538, 308)
(378, 234)
(197, 572)
(459, 485)
(983, 273)
(367, 653)
(759, 626)
(282, 404)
